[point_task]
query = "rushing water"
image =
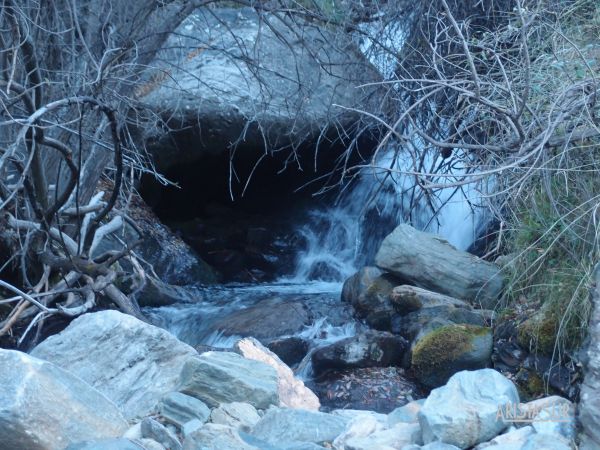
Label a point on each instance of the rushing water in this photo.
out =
(340, 238)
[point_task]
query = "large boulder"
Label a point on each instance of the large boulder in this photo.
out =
(292, 392)
(439, 354)
(465, 411)
(429, 261)
(225, 76)
(368, 291)
(214, 436)
(370, 349)
(225, 377)
(43, 407)
(407, 299)
(131, 362)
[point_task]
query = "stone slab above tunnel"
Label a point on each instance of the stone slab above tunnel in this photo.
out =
(233, 76)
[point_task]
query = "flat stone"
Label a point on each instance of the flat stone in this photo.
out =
(238, 415)
(407, 299)
(151, 429)
(297, 425)
(178, 408)
(225, 377)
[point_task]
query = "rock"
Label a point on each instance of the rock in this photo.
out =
(290, 350)
(370, 349)
(547, 442)
(514, 438)
(438, 355)
(213, 436)
(178, 409)
(213, 100)
(408, 413)
(296, 425)
(242, 416)
(151, 444)
(380, 389)
(267, 319)
(105, 444)
(368, 291)
(538, 332)
(291, 391)
(400, 435)
(557, 419)
(432, 446)
(428, 261)
(589, 403)
(464, 412)
(44, 407)
(151, 429)
(225, 377)
(562, 407)
(413, 324)
(133, 363)
(191, 427)
(360, 414)
(407, 299)
(359, 427)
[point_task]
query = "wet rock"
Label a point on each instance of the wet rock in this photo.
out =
(376, 389)
(407, 299)
(241, 416)
(464, 412)
(178, 408)
(215, 112)
(415, 323)
(151, 429)
(45, 407)
(291, 391)
(439, 354)
(368, 291)
(213, 436)
(266, 320)
(430, 262)
(131, 362)
(224, 377)
(280, 425)
(290, 350)
(370, 349)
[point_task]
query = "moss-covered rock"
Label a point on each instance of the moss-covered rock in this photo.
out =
(440, 353)
(539, 331)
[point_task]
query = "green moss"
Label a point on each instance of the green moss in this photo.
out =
(540, 331)
(444, 344)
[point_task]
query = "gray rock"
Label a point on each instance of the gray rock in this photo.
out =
(360, 414)
(408, 413)
(225, 377)
(43, 407)
(151, 444)
(151, 429)
(589, 402)
(556, 419)
(133, 363)
(178, 408)
(513, 439)
(237, 415)
(213, 436)
(290, 350)
(400, 435)
(358, 427)
(546, 442)
(291, 391)
(212, 91)
(438, 446)
(105, 444)
(430, 262)
(191, 427)
(295, 425)
(370, 349)
(464, 412)
(407, 299)
(442, 352)
(368, 291)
